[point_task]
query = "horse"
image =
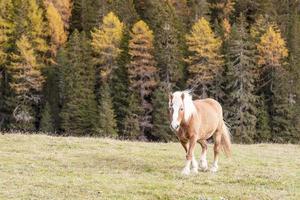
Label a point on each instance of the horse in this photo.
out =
(196, 121)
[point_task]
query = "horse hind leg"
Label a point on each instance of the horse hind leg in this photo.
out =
(217, 149)
(203, 162)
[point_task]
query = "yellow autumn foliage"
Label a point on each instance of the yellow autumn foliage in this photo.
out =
(271, 48)
(56, 28)
(205, 60)
(106, 43)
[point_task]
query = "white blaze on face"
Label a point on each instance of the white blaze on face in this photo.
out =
(176, 105)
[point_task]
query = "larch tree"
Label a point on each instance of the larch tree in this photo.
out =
(29, 19)
(142, 72)
(26, 83)
(241, 101)
(57, 31)
(64, 8)
(57, 15)
(77, 79)
(205, 60)
(272, 53)
(106, 41)
(263, 126)
(6, 29)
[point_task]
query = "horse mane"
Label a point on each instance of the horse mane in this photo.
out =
(189, 107)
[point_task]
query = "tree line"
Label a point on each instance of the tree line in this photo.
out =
(105, 68)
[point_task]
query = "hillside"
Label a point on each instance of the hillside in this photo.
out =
(45, 167)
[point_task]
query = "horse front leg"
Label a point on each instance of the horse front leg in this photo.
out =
(190, 159)
(203, 162)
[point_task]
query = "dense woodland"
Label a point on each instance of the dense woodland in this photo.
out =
(106, 67)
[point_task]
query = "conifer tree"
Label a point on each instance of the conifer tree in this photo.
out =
(106, 44)
(293, 43)
(46, 124)
(199, 8)
(6, 29)
(26, 82)
(271, 54)
(142, 72)
(205, 61)
(169, 45)
(56, 28)
(132, 128)
(79, 108)
(161, 124)
(64, 8)
(106, 41)
(120, 83)
(108, 125)
(29, 19)
(263, 126)
(240, 74)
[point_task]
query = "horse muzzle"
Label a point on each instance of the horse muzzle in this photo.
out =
(175, 126)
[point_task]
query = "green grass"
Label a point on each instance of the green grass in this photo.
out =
(44, 167)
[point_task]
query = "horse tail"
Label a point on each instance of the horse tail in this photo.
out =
(226, 139)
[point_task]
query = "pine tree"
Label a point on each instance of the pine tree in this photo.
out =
(161, 125)
(169, 45)
(26, 82)
(241, 76)
(108, 124)
(142, 72)
(271, 53)
(199, 8)
(132, 128)
(46, 124)
(79, 108)
(120, 83)
(205, 61)
(263, 126)
(293, 43)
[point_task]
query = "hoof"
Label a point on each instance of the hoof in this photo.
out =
(203, 166)
(194, 170)
(214, 169)
(185, 171)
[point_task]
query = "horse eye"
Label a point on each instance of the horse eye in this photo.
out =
(181, 109)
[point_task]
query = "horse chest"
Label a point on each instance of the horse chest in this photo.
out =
(185, 133)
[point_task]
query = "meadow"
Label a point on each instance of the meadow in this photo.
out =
(47, 167)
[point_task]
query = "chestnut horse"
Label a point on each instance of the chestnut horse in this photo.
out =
(196, 121)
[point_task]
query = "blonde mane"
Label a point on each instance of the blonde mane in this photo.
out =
(189, 107)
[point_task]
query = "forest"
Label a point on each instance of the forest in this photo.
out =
(105, 68)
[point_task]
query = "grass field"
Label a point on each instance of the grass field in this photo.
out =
(44, 167)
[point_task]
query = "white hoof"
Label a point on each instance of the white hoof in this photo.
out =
(203, 165)
(185, 171)
(194, 170)
(214, 169)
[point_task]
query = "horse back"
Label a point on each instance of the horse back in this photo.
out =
(210, 115)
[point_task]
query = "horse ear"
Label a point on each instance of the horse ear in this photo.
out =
(182, 96)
